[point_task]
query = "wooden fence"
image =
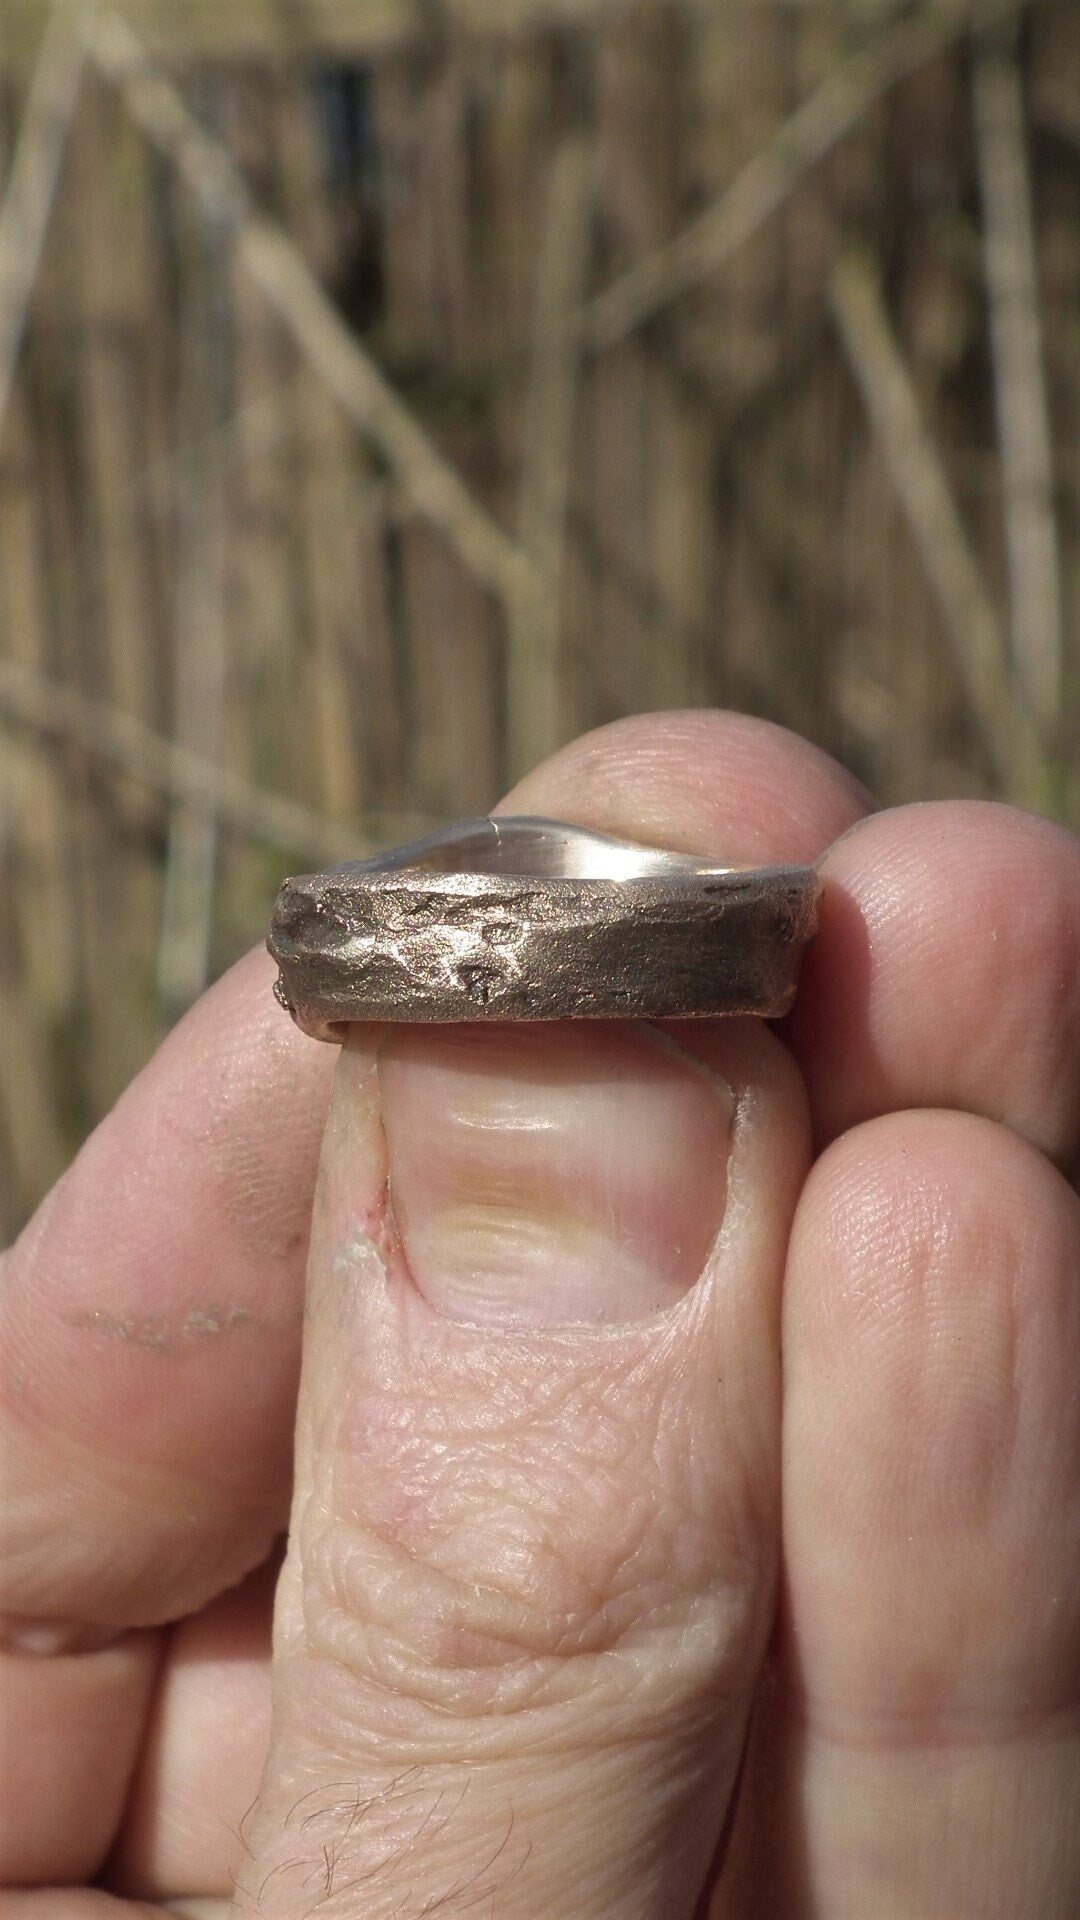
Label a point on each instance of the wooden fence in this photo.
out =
(388, 392)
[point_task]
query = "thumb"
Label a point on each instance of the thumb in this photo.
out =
(531, 1563)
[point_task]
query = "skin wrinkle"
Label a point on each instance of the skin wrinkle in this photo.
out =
(668, 1679)
(489, 1432)
(327, 1577)
(936, 1734)
(442, 1537)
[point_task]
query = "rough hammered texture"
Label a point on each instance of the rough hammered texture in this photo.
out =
(416, 946)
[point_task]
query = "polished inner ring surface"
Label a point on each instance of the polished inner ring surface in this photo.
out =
(535, 848)
(533, 919)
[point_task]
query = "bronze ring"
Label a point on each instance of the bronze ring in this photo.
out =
(529, 919)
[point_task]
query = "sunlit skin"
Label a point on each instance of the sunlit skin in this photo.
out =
(683, 1483)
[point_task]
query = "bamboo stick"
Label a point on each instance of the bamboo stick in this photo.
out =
(926, 497)
(1023, 414)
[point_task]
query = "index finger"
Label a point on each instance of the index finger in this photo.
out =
(149, 1323)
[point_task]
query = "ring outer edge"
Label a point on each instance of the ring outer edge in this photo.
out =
(416, 947)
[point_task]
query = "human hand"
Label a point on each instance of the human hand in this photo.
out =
(539, 1572)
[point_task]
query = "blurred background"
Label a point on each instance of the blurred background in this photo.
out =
(391, 389)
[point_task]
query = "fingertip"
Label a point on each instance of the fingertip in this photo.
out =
(946, 972)
(699, 780)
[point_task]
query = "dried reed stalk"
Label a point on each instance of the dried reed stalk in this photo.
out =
(327, 504)
(268, 255)
(114, 648)
(971, 622)
(833, 109)
(263, 605)
(514, 160)
(450, 642)
(534, 679)
(110, 267)
(1023, 413)
(38, 978)
(237, 30)
(330, 683)
(642, 436)
(638, 208)
(75, 648)
(198, 640)
(1057, 107)
(29, 1125)
(41, 905)
(58, 713)
(744, 81)
(382, 714)
(35, 174)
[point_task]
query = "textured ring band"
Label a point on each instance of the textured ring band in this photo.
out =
(529, 919)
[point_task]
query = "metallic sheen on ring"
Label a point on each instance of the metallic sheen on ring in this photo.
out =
(531, 919)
